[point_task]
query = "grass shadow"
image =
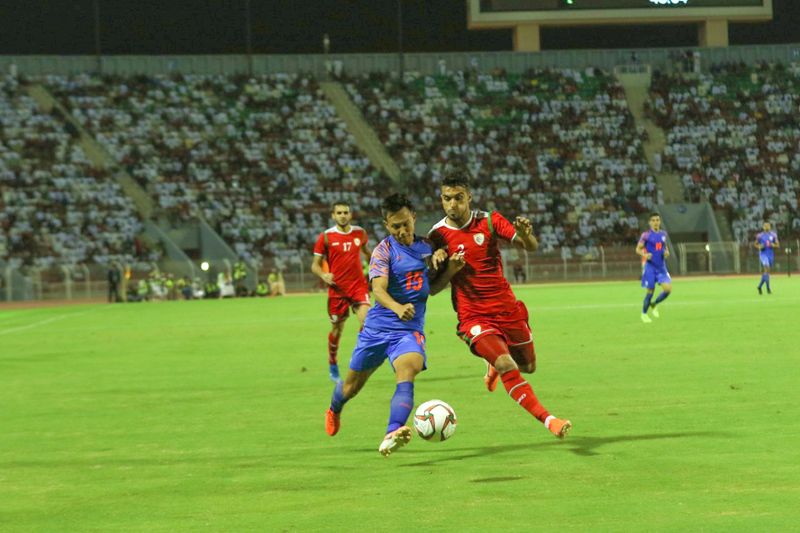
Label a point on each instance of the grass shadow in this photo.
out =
(583, 446)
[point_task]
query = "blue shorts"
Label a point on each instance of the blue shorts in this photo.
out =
(374, 346)
(652, 275)
(766, 260)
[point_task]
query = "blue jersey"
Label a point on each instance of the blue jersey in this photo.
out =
(407, 271)
(655, 242)
(767, 240)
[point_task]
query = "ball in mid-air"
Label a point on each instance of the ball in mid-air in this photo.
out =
(435, 420)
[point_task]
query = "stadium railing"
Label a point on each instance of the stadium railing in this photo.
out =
(90, 281)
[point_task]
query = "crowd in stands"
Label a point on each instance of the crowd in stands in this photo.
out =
(55, 207)
(559, 146)
(262, 158)
(259, 158)
(733, 136)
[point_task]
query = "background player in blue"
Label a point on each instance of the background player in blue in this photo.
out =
(652, 247)
(394, 326)
(766, 242)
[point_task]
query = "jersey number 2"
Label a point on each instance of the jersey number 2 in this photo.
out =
(414, 281)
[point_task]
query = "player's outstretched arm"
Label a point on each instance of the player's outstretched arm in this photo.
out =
(316, 268)
(525, 237)
(454, 264)
(380, 289)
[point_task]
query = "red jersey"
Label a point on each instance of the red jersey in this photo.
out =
(480, 288)
(343, 252)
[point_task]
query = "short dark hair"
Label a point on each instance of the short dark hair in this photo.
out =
(654, 214)
(339, 202)
(394, 203)
(455, 178)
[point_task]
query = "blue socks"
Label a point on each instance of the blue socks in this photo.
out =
(338, 400)
(646, 305)
(661, 297)
(764, 280)
(402, 404)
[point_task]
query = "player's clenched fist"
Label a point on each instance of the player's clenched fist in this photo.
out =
(523, 226)
(327, 277)
(438, 257)
(405, 311)
(456, 262)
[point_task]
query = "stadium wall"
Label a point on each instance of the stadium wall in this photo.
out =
(361, 63)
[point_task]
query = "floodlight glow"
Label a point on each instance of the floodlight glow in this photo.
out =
(708, 247)
(204, 266)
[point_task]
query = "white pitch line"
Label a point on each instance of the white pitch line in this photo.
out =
(41, 322)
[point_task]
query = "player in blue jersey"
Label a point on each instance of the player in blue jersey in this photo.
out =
(766, 242)
(652, 247)
(394, 326)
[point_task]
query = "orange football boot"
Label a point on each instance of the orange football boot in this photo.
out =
(559, 427)
(491, 378)
(331, 422)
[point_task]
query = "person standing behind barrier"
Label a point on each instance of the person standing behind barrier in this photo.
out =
(276, 284)
(114, 277)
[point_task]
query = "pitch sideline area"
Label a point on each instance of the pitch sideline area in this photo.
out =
(209, 415)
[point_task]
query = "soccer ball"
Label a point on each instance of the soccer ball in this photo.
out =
(435, 420)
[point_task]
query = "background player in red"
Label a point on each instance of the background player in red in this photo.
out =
(342, 246)
(490, 318)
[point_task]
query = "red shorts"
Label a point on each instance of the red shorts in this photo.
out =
(340, 302)
(512, 327)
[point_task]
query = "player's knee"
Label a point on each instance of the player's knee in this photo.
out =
(528, 367)
(505, 363)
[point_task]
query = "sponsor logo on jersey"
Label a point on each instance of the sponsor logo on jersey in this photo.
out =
(479, 238)
(334, 244)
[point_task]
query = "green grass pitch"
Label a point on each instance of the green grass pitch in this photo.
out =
(208, 416)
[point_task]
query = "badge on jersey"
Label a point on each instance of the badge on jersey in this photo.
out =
(479, 238)
(357, 241)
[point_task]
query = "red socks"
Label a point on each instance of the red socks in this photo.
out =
(333, 347)
(522, 393)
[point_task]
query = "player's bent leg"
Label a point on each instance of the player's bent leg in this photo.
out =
(522, 393)
(343, 392)
(666, 290)
(646, 305)
(335, 334)
(490, 347)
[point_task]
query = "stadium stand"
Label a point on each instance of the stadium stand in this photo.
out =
(55, 207)
(261, 159)
(559, 146)
(733, 135)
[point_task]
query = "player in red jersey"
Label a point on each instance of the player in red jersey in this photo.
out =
(490, 318)
(342, 246)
